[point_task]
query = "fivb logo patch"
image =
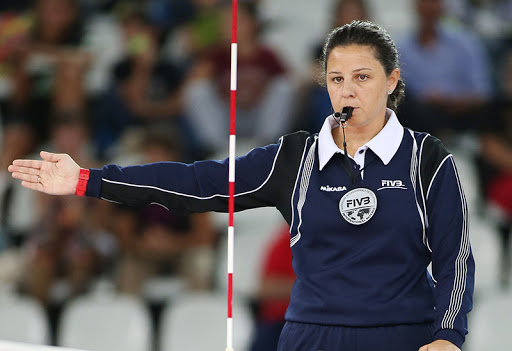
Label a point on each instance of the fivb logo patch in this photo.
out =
(358, 205)
(394, 184)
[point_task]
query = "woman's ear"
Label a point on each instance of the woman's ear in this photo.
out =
(393, 79)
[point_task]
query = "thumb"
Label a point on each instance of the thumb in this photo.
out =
(50, 157)
(423, 348)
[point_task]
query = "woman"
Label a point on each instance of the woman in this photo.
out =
(264, 87)
(364, 226)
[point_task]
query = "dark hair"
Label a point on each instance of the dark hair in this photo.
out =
(373, 35)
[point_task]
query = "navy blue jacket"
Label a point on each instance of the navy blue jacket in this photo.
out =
(373, 274)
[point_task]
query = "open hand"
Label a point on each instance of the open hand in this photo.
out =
(56, 174)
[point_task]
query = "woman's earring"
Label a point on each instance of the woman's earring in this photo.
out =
(390, 92)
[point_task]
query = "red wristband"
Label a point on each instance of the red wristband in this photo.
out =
(83, 178)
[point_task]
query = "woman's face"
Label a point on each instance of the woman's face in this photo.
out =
(355, 78)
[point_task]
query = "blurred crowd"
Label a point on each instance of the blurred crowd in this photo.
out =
(129, 82)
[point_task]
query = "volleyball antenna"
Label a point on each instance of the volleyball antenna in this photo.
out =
(232, 155)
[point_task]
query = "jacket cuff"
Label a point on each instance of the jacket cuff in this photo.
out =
(94, 183)
(450, 335)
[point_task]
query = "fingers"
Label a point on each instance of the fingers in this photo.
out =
(29, 166)
(25, 163)
(25, 170)
(36, 164)
(50, 157)
(31, 178)
(423, 348)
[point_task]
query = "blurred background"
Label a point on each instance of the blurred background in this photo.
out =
(129, 82)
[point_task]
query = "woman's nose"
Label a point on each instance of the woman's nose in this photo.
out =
(347, 90)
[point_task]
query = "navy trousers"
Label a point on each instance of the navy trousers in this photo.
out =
(314, 337)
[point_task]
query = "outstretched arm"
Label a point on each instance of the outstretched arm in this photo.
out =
(265, 177)
(56, 174)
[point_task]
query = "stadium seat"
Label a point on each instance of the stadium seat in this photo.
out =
(20, 346)
(198, 322)
(160, 289)
(486, 250)
(106, 323)
(23, 319)
(489, 323)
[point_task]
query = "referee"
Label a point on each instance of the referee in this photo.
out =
(370, 205)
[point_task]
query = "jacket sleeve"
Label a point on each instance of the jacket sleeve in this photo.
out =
(453, 266)
(187, 188)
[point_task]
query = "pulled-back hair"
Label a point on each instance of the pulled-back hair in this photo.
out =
(369, 34)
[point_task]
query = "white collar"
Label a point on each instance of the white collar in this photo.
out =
(385, 144)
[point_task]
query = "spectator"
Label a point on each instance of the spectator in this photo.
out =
(93, 7)
(346, 11)
(264, 90)
(51, 66)
(201, 30)
(146, 88)
(316, 104)
(491, 19)
(46, 76)
(40, 61)
(59, 68)
(447, 74)
(274, 291)
(168, 15)
(14, 31)
(155, 242)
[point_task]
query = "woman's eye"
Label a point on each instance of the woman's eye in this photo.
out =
(337, 79)
(362, 77)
